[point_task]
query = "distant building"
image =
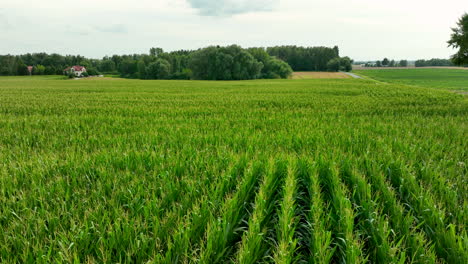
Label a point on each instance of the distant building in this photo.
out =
(75, 70)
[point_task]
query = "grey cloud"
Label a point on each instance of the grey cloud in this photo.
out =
(117, 28)
(4, 24)
(88, 30)
(231, 7)
(83, 31)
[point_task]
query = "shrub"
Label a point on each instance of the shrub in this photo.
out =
(160, 69)
(275, 68)
(333, 65)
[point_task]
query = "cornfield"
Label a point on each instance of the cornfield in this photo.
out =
(270, 171)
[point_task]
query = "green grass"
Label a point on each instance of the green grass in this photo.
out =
(450, 79)
(287, 171)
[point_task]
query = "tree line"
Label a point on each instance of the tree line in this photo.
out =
(387, 63)
(43, 63)
(210, 63)
(312, 58)
(404, 63)
(433, 62)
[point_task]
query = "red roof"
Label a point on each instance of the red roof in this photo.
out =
(78, 68)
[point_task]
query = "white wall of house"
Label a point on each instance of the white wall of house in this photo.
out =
(78, 73)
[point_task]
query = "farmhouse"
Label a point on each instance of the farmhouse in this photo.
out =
(75, 70)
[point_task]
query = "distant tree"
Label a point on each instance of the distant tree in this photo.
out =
(392, 63)
(337, 51)
(92, 71)
(385, 62)
(160, 69)
(117, 60)
(334, 65)
(304, 58)
(433, 62)
(403, 63)
(224, 63)
(155, 52)
(107, 65)
(128, 68)
(259, 54)
(346, 64)
(58, 71)
(420, 63)
(39, 70)
(141, 69)
(22, 69)
(184, 74)
(459, 40)
(378, 64)
(49, 70)
(275, 69)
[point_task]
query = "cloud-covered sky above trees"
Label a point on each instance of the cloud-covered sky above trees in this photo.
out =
(231, 7)
(363, 29)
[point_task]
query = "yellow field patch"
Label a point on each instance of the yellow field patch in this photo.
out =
(319, 75)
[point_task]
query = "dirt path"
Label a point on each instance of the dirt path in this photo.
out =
(355, 76)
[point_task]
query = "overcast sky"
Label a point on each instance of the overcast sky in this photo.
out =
(363, 29)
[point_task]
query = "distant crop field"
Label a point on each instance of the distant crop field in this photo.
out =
(275, 171)
(441, 78)
(319, 75)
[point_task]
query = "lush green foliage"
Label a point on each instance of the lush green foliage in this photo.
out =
(305, 58)
(433, 62)
(459, 40)
(224, 63)
(273, 68)
(453, 79)
(285, 171)
(44, 63)
(403, 63)
(211, 63)
(160, 69)
(339, 64)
